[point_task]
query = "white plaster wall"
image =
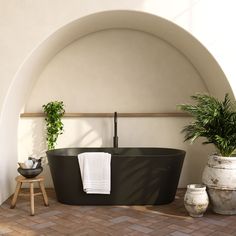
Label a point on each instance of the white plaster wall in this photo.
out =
(25, 24)
(212, 23)
(115, 70)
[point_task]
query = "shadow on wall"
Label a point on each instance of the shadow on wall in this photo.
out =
(80, 132)
(86, 132)
(39, 148)
(195, 160)
(77, 133)
(95, 132)
(87, 142)
(39, 145)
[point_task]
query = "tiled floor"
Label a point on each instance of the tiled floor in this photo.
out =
(59, 219)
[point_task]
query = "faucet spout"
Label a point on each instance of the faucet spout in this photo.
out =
(115, 138)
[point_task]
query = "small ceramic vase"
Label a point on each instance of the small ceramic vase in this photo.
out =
(196, 200)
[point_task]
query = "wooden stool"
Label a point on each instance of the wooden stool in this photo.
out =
(20, 180)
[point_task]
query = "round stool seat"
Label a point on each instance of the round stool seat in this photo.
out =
(22, 179)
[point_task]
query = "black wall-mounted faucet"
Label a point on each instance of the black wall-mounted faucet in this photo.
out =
(115, 138)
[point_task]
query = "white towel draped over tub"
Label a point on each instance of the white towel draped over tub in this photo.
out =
(95, 169)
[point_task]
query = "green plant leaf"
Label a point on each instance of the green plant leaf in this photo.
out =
(213, 119)
(54, 111)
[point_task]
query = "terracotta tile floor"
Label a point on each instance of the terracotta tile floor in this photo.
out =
(59, 219)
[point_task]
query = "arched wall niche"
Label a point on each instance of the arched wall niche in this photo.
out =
(119, 70)
(27, 75)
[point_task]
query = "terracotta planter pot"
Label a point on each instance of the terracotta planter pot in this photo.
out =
(219, 176)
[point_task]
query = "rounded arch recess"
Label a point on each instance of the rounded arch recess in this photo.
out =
(22, 83)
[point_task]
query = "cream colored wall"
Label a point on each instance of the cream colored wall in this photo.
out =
(212, 23)
(117, 70)
(114, 70)
(25, 24)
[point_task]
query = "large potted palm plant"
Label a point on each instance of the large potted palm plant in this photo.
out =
(215, 120)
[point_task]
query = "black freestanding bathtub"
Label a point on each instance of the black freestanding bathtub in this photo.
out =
(139, 176)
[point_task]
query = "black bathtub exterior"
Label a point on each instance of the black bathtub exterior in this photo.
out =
(139, 176)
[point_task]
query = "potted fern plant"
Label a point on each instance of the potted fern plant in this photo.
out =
(215, 120)
(54, 112)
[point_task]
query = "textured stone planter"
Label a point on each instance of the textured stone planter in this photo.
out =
(196, 200)
(219, 176)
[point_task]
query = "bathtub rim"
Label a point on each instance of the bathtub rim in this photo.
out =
(174, 151)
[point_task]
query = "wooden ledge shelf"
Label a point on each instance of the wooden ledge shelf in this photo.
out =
(91, 115)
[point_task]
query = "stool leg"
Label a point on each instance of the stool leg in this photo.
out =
(13, 202)
(45, 198)
(32, 198)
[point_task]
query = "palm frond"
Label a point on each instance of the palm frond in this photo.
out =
(213, 119)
